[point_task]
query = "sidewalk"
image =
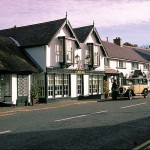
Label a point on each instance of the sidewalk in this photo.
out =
(14, 109)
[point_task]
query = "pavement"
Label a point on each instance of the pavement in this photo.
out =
(6, 111)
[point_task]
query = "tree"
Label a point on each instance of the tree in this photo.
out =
(129, 44)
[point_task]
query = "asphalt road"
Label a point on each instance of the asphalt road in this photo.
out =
(121, 124)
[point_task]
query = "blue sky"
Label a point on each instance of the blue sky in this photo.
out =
(128, 19)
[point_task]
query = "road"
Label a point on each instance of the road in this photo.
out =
(121, 124)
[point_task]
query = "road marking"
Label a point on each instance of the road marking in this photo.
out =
(4, 132)
(133, 105)
(80, 116)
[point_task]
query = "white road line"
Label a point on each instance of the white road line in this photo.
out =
(4, 132)
(132, 105)
(80, 116)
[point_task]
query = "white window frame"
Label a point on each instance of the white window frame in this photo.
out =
(50, 85)
(41, 85)
(79, 85)
(58, 85)
(69, 50)
(66, 85)
(59, 51)
(96, 55)
(121, 64)
(106, 61)
(146, 66)
(135, 65)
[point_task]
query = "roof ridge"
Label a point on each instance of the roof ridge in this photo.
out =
(15, 27)
(83, 27)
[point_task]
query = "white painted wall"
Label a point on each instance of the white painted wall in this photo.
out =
(73, 85)
(29, 88)
(39, 55)
(54, 45)
(14, 89)
(86, 85)
(92, 39)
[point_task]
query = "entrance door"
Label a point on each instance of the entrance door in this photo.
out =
(22, 88)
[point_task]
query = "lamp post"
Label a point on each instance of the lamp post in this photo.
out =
(88, 60)
(77, 58)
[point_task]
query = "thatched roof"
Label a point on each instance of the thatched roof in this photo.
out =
(13, 59)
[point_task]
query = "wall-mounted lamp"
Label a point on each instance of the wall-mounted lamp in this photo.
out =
(77, 58)
(87, 59)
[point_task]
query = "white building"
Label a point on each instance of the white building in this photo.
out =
(122, 62)
(71, 69)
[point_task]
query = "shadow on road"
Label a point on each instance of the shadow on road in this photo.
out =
(121, 136)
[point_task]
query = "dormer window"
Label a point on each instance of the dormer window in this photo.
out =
(59, 51)
(96, 55)
(69, 51)
(66, 51)
(93, 53)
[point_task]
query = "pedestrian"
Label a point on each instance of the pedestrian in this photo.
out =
(114, 85)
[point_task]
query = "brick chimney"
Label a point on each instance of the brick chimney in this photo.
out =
(117, 41)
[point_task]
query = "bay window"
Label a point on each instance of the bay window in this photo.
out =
(95, 84)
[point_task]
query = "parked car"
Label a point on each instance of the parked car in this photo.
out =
(131, 87)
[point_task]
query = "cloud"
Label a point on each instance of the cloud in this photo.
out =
(105, 13)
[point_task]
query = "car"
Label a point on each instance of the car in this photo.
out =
(131, 87)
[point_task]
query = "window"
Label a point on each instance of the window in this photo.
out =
(41, 88)
(59, 51)
(100, 84)
(95, 84)
(69, 51)
(58, 85)
(90, 84)
(5, 85)
(51, 85)
(106, 61)
(79, 84)
(121, 64)
(66, 85)
(134, 65)
(96, 55)
(146, 67)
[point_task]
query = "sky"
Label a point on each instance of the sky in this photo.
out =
(127, 19)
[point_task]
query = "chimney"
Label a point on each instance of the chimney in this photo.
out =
(117, 41)
(107, 39)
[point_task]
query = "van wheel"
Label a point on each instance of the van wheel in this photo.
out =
(130, 95)
(145, 93)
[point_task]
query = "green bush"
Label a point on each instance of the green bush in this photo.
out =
(35, 91)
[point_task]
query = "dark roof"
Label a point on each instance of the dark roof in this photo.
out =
(145, 53)
(13, 59)
(34, 35)
(127, 53)
(83, 32)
